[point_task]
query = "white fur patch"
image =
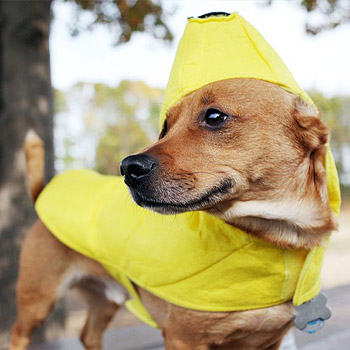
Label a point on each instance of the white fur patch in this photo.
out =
(298, 213)
(72, 276)
(115, 292)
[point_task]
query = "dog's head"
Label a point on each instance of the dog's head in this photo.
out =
(235, 143)
(246, 151)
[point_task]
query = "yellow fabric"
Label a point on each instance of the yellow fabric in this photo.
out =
(332, 183)
(219, 48)
(193, 259)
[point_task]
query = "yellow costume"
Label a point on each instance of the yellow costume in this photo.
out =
(193, 260)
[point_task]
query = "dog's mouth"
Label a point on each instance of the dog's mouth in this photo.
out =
(203, 202)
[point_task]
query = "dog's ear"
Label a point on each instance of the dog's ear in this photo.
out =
(311, 132)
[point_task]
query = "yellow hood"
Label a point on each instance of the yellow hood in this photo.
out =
(219, 48)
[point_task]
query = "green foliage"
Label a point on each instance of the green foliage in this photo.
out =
(113, 122)
(134, 125)
(345, 193)
(331, 13)
(311, 5)
(60, 101)
(119, 141)
(336, 112)
(123, 17)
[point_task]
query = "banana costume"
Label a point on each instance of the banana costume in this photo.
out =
(193, 260)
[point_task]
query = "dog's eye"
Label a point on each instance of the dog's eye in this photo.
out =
(164, 130)
(213, 117)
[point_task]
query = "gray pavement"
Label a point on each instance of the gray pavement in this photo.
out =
(334, 336)
(131, 338)
(336, 341)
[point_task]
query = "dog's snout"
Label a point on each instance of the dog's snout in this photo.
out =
(137, 167)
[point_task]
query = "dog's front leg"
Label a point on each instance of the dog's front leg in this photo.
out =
(100, 312)
(173, 343)
(181, 330)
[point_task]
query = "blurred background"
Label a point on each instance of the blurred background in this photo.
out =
(89, 77)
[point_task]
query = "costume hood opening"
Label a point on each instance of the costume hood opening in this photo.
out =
(219, 46)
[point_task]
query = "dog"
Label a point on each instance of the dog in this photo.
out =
(243, 150)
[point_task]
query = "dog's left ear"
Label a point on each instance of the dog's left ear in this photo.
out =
(313, 135)
(311, 131)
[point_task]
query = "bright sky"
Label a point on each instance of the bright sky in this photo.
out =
(321, 62)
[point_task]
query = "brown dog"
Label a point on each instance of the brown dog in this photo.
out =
(261, 141)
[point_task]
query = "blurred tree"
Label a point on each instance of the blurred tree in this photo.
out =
(123, 17)
(119, 141)
(134, 126)
(330, 13)
(26, 101)
(110, 123)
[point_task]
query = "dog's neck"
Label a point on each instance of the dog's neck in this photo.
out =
(287, 224)
(302, 222)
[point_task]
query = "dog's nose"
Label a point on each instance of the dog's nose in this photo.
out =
(135, 168)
